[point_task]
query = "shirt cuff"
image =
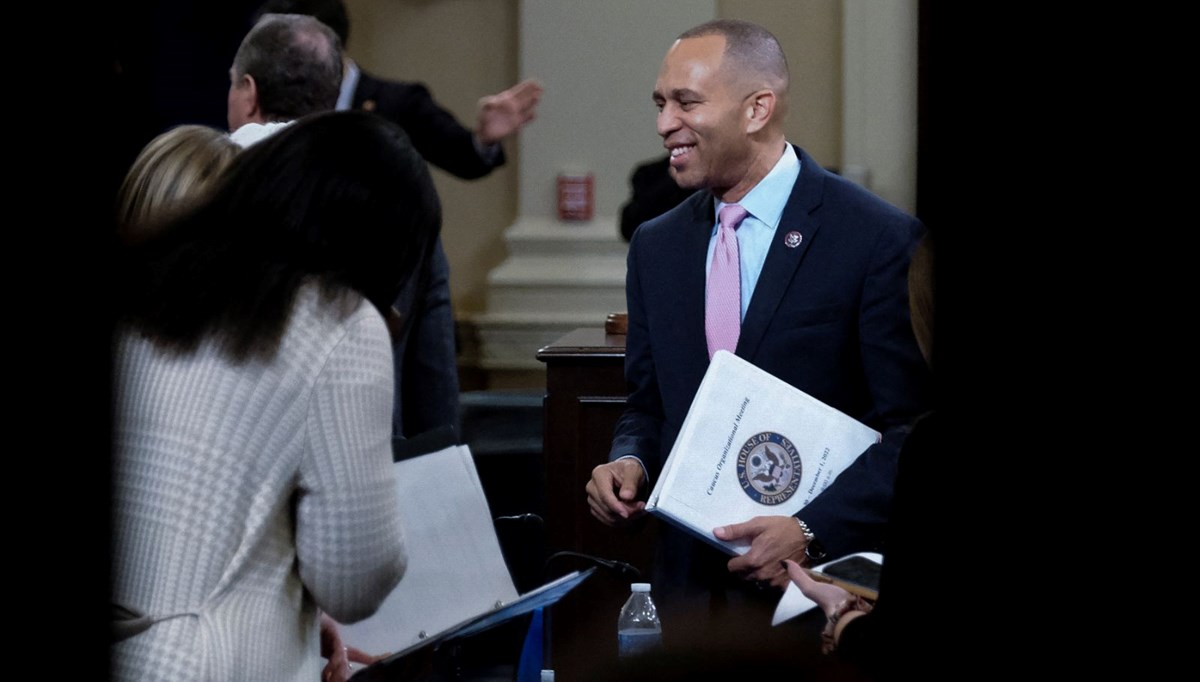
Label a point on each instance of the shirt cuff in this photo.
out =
(488, 153)
(645, 476)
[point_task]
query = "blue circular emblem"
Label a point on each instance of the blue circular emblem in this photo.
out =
(768, 468)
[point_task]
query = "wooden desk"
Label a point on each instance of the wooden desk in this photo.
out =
(585, 395)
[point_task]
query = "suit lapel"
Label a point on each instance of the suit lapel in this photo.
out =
(695, 234)
(364, 92)
(799, 215)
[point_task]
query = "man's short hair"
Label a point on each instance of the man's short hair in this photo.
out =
(332, 13)
(296, 64)
(749, 47)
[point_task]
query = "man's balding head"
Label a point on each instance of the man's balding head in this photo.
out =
(752, 56)
(332, 13)
(287, 66)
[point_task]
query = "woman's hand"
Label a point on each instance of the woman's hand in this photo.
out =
(827, 595)
(340, 659)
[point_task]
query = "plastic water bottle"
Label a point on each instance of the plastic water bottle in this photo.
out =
(638, 628)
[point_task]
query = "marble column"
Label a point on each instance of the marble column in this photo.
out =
(879, 82)
(597, 62)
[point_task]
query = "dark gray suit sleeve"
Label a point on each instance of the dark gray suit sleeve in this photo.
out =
(638, 431)
(852, 514)
(437, 135)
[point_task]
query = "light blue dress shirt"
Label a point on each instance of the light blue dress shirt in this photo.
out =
(765, 203)
(349, 85)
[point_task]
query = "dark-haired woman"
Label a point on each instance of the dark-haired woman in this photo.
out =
(253, 382)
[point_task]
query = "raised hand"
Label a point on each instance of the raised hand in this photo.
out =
(505, 113)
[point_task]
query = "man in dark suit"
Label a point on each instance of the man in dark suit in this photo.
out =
(426, 363)
(817, 297)
(440, 138)
(654, 193)
(467, 153)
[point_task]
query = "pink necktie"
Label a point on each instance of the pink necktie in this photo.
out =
(723, 307)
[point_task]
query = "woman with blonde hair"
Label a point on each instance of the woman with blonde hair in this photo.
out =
(172, 172)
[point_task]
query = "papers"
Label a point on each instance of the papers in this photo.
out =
(793, 602)
(751, 445)
(456, 583)
(456, 570)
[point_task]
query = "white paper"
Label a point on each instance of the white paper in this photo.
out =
(793, 602)
(456, 570)
(751, 445)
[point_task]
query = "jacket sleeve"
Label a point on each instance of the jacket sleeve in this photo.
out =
(437, 135)
(638, 431)
(851, 515)
(349, 543)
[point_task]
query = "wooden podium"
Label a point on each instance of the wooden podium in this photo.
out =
(585, 395)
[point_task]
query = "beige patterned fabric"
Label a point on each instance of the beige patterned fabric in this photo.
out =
(246, 497)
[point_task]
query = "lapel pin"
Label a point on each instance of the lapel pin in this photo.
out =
(792, 240)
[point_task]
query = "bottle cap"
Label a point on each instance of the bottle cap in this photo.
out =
(640, 587)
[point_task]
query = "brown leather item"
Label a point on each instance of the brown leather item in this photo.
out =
(617, 323)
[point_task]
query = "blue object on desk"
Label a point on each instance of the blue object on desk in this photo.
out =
(530, 667)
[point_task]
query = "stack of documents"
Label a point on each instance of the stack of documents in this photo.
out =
(751, 445)
(457, 582)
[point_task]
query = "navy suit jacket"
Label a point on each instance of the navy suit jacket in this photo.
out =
(829, 316)
(436, 134)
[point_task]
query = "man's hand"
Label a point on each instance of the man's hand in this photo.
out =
(772, 539)
(504, 113)
(612, 493)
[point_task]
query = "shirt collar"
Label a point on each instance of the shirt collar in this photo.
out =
(349, 85)
(252, 133)
(766, 200)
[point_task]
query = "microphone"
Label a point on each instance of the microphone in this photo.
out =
(620, 567)
(528, 516)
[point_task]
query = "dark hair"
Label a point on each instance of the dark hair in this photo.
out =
(342, 198)
(332, 13)
(747, 45)
(296, 63)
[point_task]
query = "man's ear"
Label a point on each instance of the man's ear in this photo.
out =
(244, 97)
(253, 111)
(760, 108)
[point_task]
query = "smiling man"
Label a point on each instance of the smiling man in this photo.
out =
(789, 266)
